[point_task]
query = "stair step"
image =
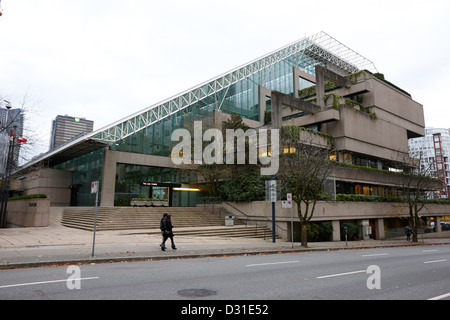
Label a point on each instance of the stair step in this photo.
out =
(190, 221)
(226, 231)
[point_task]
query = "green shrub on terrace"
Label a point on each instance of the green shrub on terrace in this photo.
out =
(364, 198)
(30, 196)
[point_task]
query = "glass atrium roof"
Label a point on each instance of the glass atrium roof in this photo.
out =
(306, 53)
(303, 54)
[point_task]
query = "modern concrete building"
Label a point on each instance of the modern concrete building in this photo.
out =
(316, 83)
(65, 128)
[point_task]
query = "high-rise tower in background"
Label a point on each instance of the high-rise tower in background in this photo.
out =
(65, 128)
(11, 123)
(434, 151)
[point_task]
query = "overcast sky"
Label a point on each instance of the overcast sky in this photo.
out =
(106, 59)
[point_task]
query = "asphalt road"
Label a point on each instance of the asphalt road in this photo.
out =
(418, 273)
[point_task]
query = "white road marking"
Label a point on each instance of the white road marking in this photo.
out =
(435, 261)
(341, 274)
(440, 297)
(271, 263)
(434, 250)
(43, 282)
(374, 254)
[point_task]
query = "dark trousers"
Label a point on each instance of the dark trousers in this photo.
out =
(168, 235)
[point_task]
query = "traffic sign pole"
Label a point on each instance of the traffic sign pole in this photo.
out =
(273, 199)
(94, 189)
(286, 205)
(289, 200)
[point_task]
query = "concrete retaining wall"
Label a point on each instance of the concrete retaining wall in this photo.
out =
(28, 213)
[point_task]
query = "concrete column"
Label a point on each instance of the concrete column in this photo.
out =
(336, 230)
(108, 183)
(437, 224)
(263, 93)
(276, 112)
(320, 88)
(379, 229)
(363, 225)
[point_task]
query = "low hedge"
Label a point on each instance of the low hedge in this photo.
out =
(364, 198)
(30, 196)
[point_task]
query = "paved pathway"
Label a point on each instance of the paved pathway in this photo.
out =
(56, 244)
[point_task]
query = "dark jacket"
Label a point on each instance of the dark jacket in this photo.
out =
(166, 226)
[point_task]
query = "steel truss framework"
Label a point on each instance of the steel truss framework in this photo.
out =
(306, 53)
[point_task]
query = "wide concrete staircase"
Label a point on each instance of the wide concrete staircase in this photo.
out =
(189, 221)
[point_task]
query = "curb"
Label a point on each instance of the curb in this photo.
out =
(85, 261)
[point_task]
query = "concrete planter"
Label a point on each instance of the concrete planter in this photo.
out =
(28, 212)
(149, 203)
(141, 203)
(160, 203)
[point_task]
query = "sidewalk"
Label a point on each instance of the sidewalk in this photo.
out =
(54, 245)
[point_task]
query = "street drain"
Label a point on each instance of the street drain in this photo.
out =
(196, 293)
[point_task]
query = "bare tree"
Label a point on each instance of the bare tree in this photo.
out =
(417, 185)
(28, 111)
(304, 167)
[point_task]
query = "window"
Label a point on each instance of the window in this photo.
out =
(373, 164)
(333, 156)
(288, 149)
(366, 190)
(303, 83)
(358, 189)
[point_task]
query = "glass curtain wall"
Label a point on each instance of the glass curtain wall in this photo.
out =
(155, 140)
(129, 179)
(85, 169)
(241, 98)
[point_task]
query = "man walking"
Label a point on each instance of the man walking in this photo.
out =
(408, 232)
(161, 226)
(167, 232)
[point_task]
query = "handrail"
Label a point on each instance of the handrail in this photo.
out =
(246, 222)
(248, 218)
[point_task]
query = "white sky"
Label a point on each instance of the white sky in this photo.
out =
(104, 60)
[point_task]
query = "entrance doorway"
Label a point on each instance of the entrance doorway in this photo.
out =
(74, 194)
